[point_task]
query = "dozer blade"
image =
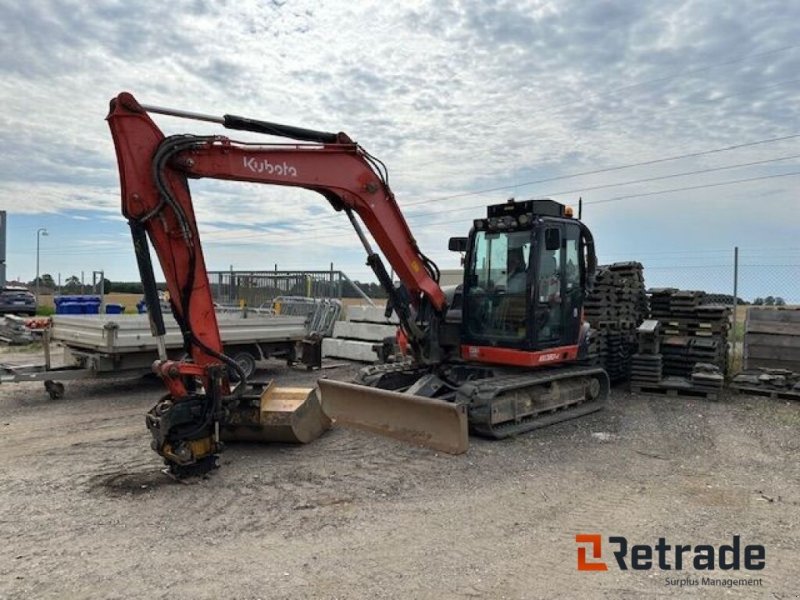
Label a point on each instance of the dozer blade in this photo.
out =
(421, 421)
(277, 414)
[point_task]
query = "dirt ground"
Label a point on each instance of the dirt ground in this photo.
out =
(86, 513)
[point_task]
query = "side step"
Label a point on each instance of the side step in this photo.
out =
(421, 421)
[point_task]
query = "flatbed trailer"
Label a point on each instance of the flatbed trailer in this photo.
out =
(97, 346)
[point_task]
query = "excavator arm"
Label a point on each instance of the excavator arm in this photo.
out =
(155, 195)
(154, 171)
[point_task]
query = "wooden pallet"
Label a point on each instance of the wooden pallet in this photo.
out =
(768, 392)
(675, 392)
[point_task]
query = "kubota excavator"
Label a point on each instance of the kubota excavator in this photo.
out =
(500, 354)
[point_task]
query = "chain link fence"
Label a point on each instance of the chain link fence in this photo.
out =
(760, 277)
(755, 277)
(259, 289)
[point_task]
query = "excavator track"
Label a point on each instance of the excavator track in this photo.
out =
(508, 405)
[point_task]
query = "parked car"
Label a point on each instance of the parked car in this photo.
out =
(17, 300)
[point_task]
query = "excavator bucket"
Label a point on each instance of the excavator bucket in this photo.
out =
(276, 414)
(421, 421)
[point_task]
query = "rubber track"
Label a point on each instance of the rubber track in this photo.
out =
(480, 395)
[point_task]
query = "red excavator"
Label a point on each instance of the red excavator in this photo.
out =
(501, 354)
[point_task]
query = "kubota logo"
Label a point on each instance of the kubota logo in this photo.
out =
(264, 166)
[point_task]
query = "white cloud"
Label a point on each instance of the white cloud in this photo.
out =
(453, 96)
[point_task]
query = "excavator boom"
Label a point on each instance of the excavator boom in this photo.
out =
(201, 409)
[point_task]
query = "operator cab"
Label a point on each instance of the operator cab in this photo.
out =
(525, 273)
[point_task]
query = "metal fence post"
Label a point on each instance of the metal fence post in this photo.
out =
(2, 247)
(735, 301)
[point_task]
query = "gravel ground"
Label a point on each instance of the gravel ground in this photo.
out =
(86, 513)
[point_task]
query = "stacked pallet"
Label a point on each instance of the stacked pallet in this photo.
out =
(679, 386)
(692, 331)
(772, 338)
(775, 383)
(706, 381)
(357, 337)
(614, 308)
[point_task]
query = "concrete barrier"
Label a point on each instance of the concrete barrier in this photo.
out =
(354, 338)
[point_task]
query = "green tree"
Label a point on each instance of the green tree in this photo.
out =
(45, 282)
(769, 301)
(780, 301)
(72, 284)
(126, 287)
(758, 302)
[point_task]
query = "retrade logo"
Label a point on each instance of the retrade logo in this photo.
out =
(669, 557)
(595, 541)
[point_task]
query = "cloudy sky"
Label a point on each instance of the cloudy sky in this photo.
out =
(468, 103)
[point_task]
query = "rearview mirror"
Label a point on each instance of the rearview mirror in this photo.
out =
(457, 244)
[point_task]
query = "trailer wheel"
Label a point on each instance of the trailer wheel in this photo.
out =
(246, 362)
(55, 389)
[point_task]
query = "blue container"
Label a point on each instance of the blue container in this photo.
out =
(91, 304)
(60, 301)
(70, 308)
(77, 305)
(141, 307)
(115, 309)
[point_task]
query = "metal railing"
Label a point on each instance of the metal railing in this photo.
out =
(260, 288)
(320, 313)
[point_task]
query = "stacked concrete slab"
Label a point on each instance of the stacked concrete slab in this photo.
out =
(356, 337)
(646, 369)
(616, 306)
(775, 383)
(646, 364)
(13, 331)
(707, 377)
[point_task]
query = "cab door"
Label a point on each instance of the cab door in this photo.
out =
(573, 269)
(548, 319)
(558, 286)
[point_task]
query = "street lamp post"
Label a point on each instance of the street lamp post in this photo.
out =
(39, 233)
